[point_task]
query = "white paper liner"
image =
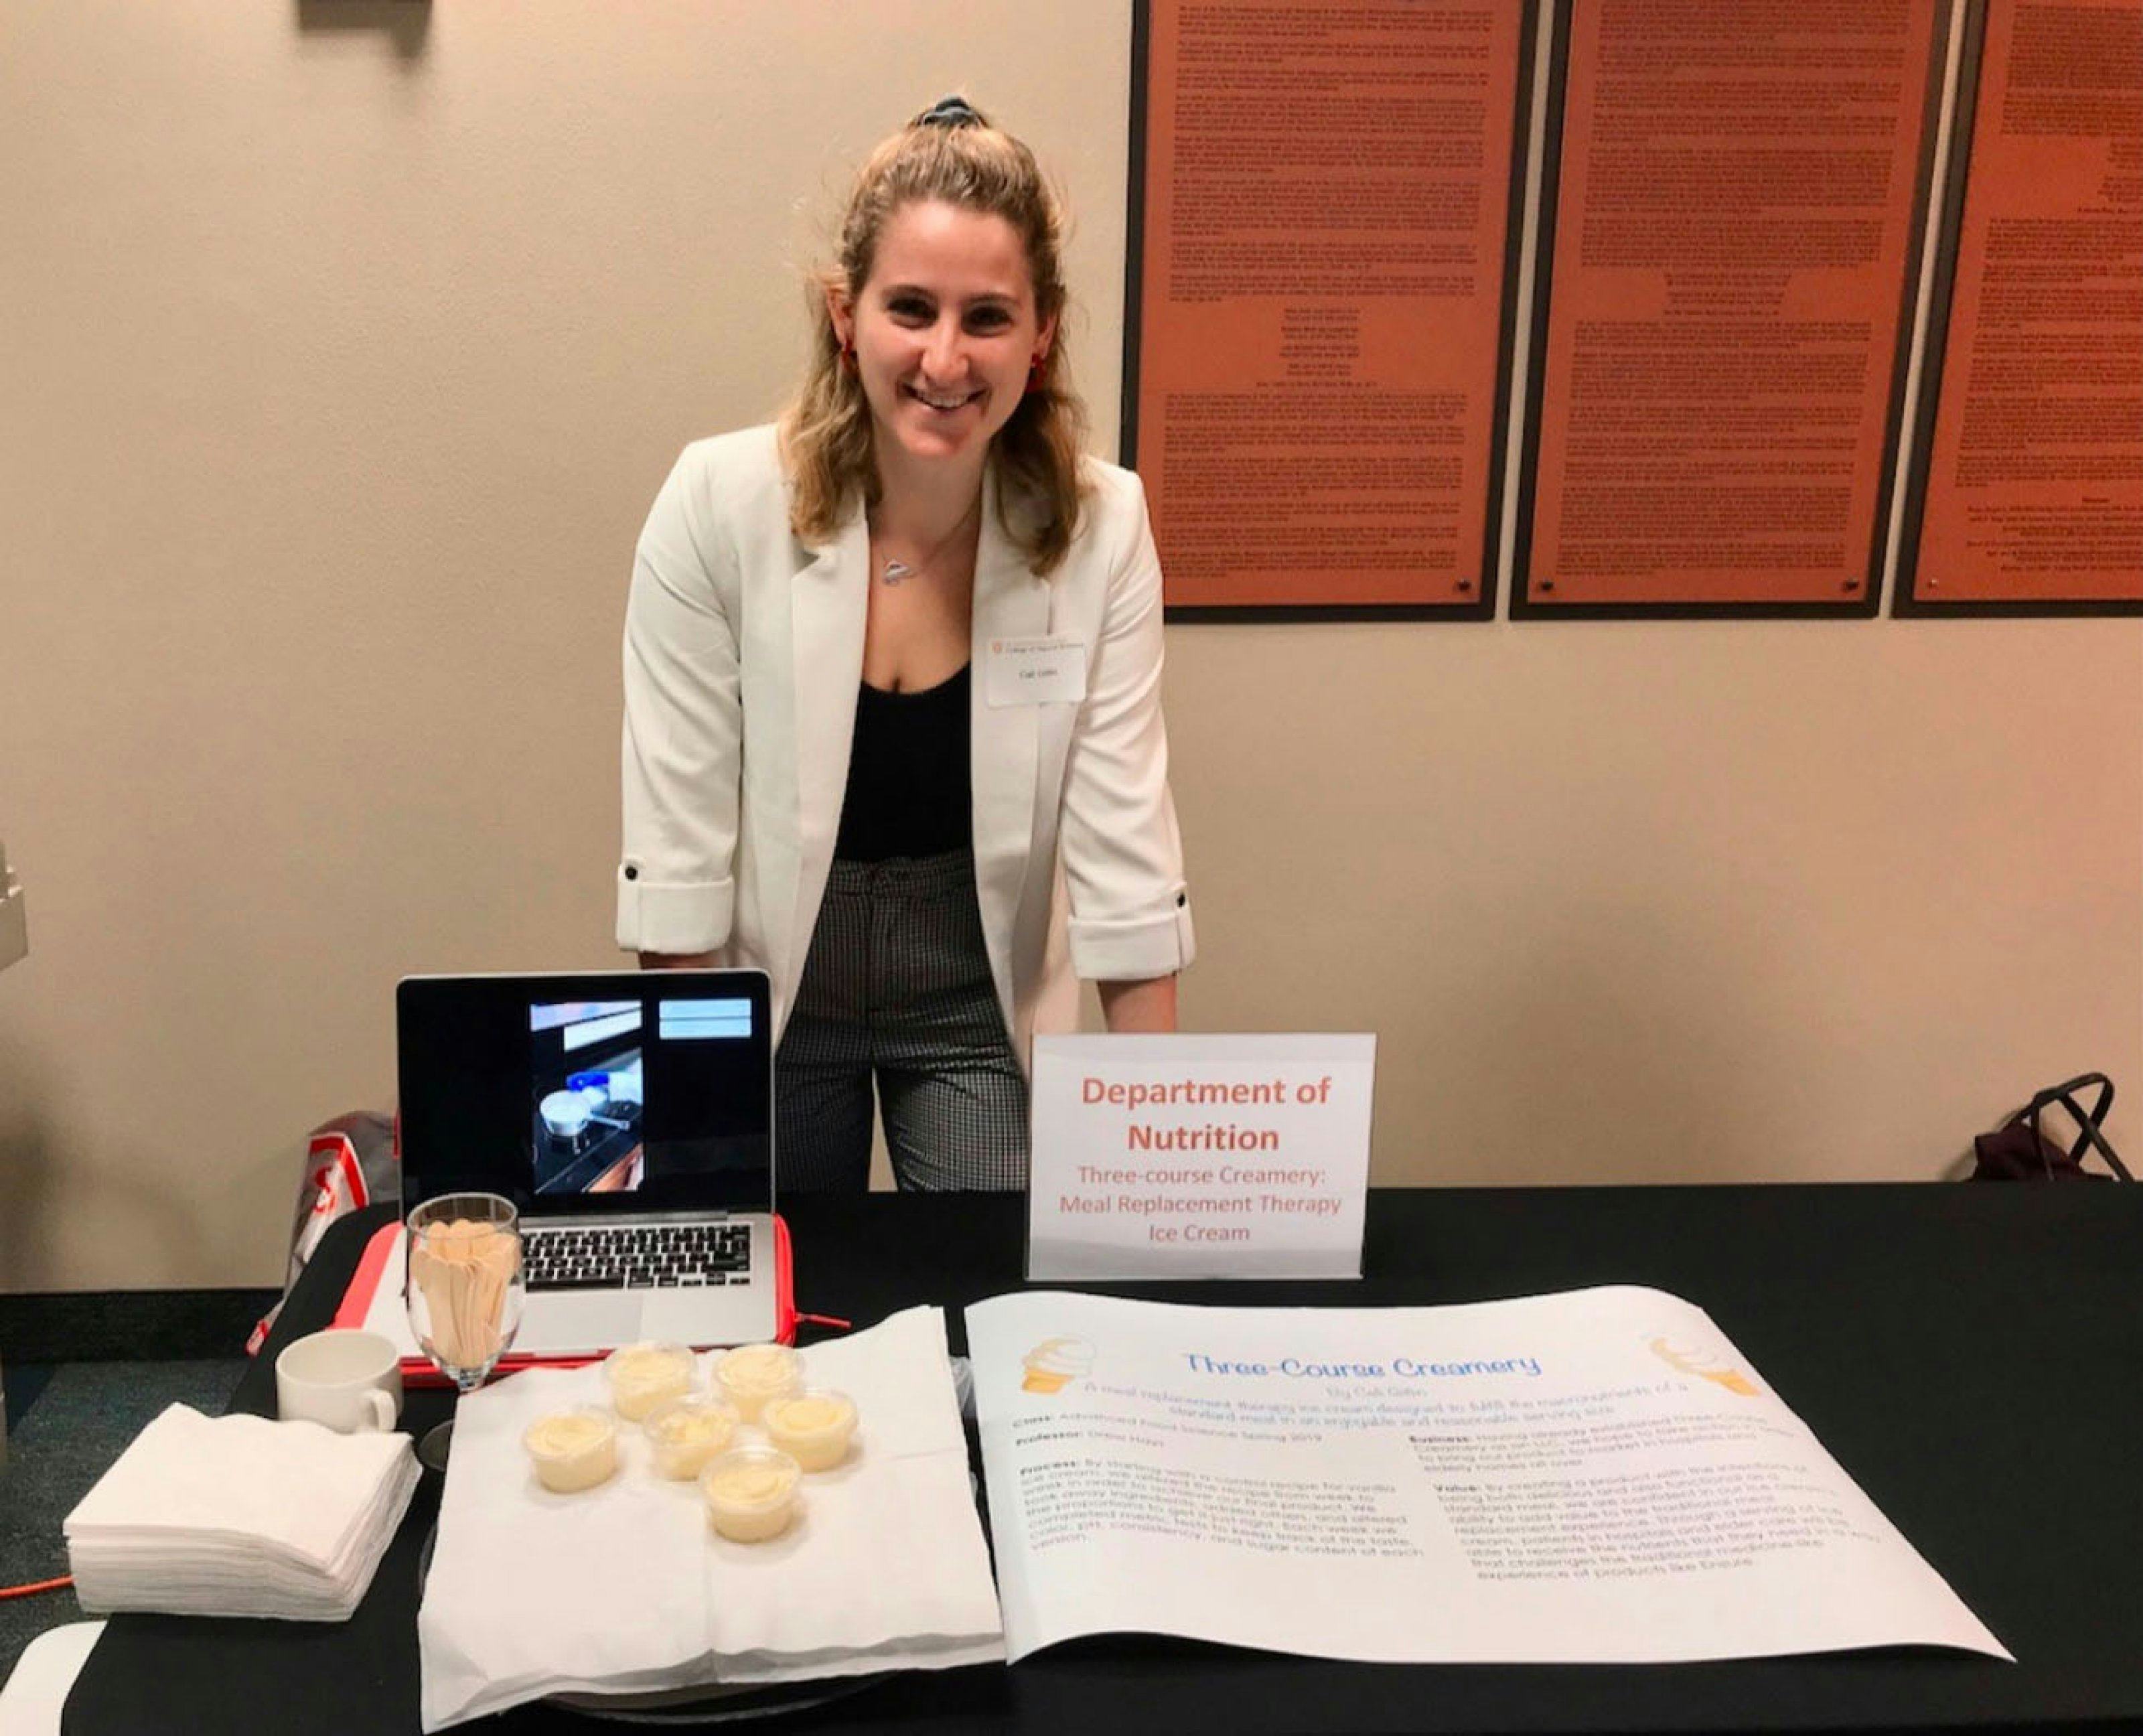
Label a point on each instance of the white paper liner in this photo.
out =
(627, 1589)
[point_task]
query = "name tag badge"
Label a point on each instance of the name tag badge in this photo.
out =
(1045, 671)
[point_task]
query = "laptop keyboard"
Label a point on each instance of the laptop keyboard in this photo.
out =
(638, 1256)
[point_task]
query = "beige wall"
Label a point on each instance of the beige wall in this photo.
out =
(341, 349)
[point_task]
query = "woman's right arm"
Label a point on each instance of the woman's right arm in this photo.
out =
(683, 734)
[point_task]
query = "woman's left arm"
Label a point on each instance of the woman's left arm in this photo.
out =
(1139, 1006)
(1130, 929)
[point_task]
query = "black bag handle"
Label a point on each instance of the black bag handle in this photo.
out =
(2091, 1135)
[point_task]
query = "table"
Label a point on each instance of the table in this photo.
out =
(1972, 1355)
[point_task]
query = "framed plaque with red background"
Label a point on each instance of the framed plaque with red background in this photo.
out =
(1733, 196)
(1318, 305)
(2026, 495)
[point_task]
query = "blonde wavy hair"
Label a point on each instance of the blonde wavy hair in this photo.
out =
(953, 154)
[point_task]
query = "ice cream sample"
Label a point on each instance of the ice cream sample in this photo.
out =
(572, 1450)
(753, 1373)
(752, 1493)
(813, 1427)
(642, 1376)
(1055, 1361)
(686, 1433)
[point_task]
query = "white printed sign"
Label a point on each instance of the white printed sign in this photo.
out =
(1199, 1156)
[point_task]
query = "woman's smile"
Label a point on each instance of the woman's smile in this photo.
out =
(945, 402)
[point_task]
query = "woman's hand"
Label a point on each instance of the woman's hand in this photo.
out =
(1128, 1007)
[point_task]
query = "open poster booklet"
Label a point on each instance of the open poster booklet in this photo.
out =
(1592, 1477)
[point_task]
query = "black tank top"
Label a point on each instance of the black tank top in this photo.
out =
(909, 793)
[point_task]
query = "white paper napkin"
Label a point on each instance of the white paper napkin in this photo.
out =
(239, 1516)
(626, 1588)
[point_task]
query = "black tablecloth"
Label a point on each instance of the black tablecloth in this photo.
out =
(1972, 1356)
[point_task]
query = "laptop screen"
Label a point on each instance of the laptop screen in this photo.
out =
(629, 1092)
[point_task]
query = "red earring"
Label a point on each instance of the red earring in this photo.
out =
(848, 354)
(1034, 371)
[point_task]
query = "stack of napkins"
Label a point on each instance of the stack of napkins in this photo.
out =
(238, 1516)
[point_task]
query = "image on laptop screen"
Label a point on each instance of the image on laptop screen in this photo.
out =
(589, 1066)
(587, 1093)
(593, 1093)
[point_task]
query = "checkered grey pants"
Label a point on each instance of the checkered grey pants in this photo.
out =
(897, 984)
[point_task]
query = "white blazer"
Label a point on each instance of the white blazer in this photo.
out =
(743, 654)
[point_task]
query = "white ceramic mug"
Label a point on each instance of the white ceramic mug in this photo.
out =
(349, 1381)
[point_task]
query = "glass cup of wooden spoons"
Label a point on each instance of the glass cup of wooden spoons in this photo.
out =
(464, 1288)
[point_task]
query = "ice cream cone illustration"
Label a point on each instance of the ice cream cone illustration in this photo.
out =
(1053, 1361)
(1704, 1366)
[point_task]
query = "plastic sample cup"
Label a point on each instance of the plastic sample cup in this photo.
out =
(642, 1376)
(686, 1433)
(572, 1450)
(752, 1493)
(813, 1427)
(749, 1375)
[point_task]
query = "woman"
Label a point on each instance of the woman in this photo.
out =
(888, 666)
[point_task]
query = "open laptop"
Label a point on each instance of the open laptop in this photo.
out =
(629, 1116)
